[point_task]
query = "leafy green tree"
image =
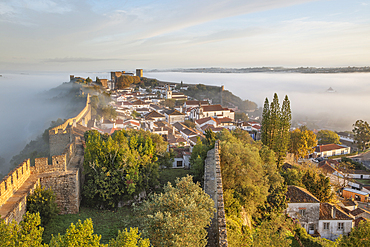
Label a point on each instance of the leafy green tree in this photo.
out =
(88, 80)
(27, 233)
(120, 166)
(43, 201)
(318, 185)
(97, 80)
(328, 137)
(302, 142)
(359, 236)
(130, 238)
(178, 216)
(361, 131)
(210, 138)
(79, 235)
(242, 116)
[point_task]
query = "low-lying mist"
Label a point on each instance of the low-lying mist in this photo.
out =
(307, 93)
(27, 107)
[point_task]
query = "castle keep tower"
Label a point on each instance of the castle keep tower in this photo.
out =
(139, 72)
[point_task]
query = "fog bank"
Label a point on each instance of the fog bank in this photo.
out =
(27, 108)
(307, 93)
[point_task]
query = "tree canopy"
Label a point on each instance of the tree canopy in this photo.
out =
(178, 216)
(328, 137)
(361, 131)
(302, 142)
(120, 166)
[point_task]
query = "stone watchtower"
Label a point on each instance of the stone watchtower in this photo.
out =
(139, 72)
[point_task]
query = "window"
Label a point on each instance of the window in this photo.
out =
(340, 226)
(179, 163)
(326, 225)
(302, 212)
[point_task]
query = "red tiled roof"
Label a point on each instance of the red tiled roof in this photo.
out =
(326, 210)
(327, 147)
(154, 114)
(207, 108)
(204, 120)
(297, 194)
(358, 220)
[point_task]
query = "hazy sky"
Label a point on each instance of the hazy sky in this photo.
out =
(102, 35)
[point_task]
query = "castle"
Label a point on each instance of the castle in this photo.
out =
(63, 175)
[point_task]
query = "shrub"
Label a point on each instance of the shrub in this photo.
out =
(43, 201)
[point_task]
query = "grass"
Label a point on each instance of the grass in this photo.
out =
(170, 175)
(106, 222)
(363, 181)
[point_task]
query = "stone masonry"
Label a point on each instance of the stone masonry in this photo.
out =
(63, 175)
(217, 234)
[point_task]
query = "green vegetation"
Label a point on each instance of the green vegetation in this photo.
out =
(42, 201)
(350, 164)
(302, 142)
(276, 126)
(328, 137)
(201, 91)
(26, 233)
(124, 81)
(359, 236)
(242, 116)
(189, 123)
(178, 216)
(361, 131)
(121, 166)
(106, 222)
(310, 178)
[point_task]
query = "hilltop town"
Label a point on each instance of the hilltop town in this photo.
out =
(145, 127)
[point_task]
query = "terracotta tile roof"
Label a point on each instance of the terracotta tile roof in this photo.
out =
(206, 126)
(196, 102)
(358, 211)
(204, 120)
(224, 120)
(348, 203)
(174, 113)
(297, 194)
(330, 212)
(180, 151)
(119, 121)
(326, 168)
(358, 220)
(208, 108)
(327, 147)
(154, 114)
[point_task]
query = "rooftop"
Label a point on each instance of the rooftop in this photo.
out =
(297, 194)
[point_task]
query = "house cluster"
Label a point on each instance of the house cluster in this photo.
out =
(323, 219)
(138, 108)
(355, 184)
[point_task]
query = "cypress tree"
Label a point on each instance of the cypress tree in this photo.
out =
(274, 122)
(265, 122)
(276, 126)
(281, 146)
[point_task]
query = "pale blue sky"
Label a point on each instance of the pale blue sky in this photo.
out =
(105, 35)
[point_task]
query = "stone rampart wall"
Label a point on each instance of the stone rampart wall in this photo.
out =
(66, 186)
(217, 233)
(14, 180)
(86, 112)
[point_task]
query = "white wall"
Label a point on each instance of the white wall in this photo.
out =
(333, 233)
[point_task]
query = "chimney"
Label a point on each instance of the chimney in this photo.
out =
(333, 212)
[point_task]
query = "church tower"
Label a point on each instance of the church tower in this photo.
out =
(168, 92)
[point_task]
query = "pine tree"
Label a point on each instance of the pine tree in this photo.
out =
(265, 122)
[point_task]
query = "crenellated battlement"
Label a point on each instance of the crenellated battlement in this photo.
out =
(62, 174)
(14, 180)
(81, 117)
(217, 233)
